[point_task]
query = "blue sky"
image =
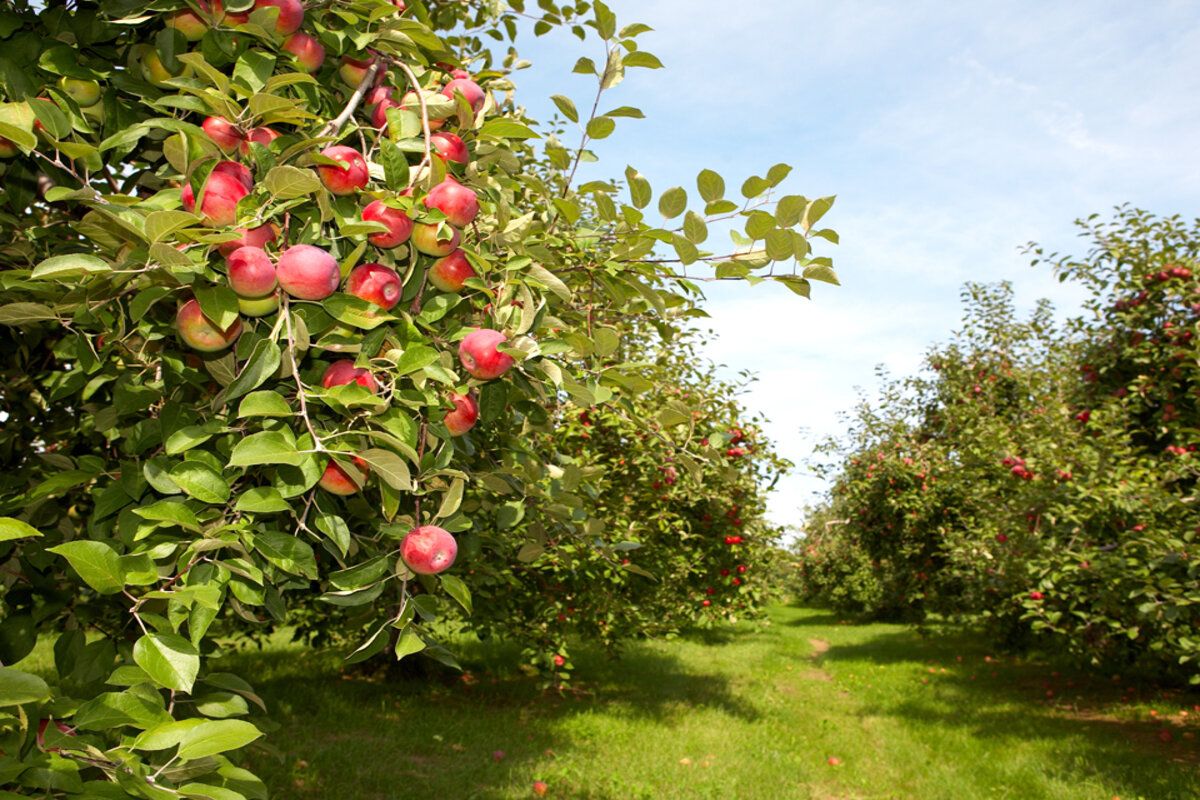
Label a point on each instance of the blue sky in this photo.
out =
(952, 134)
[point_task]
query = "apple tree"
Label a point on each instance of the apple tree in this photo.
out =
(285, 292)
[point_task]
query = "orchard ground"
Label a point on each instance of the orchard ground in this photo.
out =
(810, 707)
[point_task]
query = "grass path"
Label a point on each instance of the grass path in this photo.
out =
(747, 715)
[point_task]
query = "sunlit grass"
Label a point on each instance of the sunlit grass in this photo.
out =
(748, 714)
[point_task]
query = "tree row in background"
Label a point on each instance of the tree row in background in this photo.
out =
(1037, 477)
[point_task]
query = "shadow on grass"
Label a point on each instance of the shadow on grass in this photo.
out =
(1010, 701)
(355, 736)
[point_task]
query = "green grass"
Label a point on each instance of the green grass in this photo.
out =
(747, 714)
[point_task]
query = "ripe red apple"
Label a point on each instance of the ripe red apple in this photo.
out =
(308, 273)
(291, 14)
(353, 70)
(464, 416)
(400, 226)
(456, 74)
(376, 96)
(468, 89)
(336, 480)
(309, 53)
(188, 23)
(251, 237)
(379, 112)
(263, 136)
(7, 148)
(251, 272)
(200, 333)
(428, 550)
(450, 147)
(259, 306)
(376, 284)
(343, 371)
(457, 202)
(348, 178)
(479, 355)
(228, 183)
(450, 273)
(425, 239)
(223, 133)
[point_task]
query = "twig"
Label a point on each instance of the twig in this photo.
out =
(335, 124)
(291, 351)
(412, 79)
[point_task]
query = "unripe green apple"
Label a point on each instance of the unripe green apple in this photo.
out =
(84, 92)
(258, 306)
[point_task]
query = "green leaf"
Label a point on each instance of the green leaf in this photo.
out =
(759, 224)
(170, 660)
(16, 529)
(585, 66)
(566, 106)
(695, 228)
(639, 188)
(18, 688)
(754, 186)
(502, 128)
(395, 165)
(456, 588)
(821, 272)
(264, 404)
(263, 363)
(356, 312)
(267, 447)
(253, 69)
(289, 183)
(262, 500)
(287, 552)
(451, 500)
(68, 267)
(779, 245)
(407, 643)
(672, 202)
(162, 224)
(217, 736)
(797, 285)
(640, 58)
(390, 468)
(25, 313)
(185, 439)
(170, 511)
(97, 563)
(219, 304)
(817, 209)
(200, 481)
(711, 185)
(600, 127)
(415, 358)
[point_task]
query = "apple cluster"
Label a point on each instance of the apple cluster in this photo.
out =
(268, 273)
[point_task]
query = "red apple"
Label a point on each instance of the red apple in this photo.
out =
(400, 226)
(450, 273)
(228, 183)
(251, 237)
(428, 550)
(201, 333)
(464, 416)
(309, 53)
(351, 176)
(251, 272)
(336, 480)
(379, 112)
(376, 96)
(308, 273)
(457, 202)
(425, 238)
(343, 371)
(263, 136)
(291, 14)
(450, 147)
(8, 148)
(376, 284)
(223, 133)
(468, 89)
(456, 74)
(479, 355)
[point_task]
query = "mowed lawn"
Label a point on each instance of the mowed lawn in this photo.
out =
(809, 707)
